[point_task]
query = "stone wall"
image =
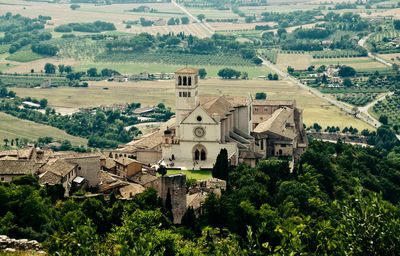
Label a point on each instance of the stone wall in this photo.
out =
(176, 184)
(11, 245)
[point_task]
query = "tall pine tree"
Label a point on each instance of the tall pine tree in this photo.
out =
(221, 166)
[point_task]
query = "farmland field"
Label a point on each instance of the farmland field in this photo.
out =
(24, 56)
(12, 127)
(391, 57)
(154, 92)
(5, 67)
(360, 63)
(135, 68)
(296, 61)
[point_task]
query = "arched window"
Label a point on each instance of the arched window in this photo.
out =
(184, 80)
(203, 155)
(189, 80)
(199, 152)
(179, 80)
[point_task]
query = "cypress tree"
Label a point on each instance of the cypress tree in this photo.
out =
(221, 166)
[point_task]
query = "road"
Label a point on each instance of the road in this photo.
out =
(370, 105)
(206, 27)
(370, 120)
(361, 43)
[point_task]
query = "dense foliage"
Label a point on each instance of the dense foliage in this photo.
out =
(327, 206)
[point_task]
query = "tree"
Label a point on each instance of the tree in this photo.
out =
(162, 170)
(257, 61)
(396, 24)
(49, 68)
(171, 21)
(245, 75)
(92, 72)
(383, 119)
(201, 17)
(43, 103)
(290, 70)
(275, 77)
(185, 20)
(346, 71)
(347, 82)
(228, 73)
(168, 205)
(202, 73)
(261, 96)
(68, 69)
(74, 6)
(61, 68)
(6, 142)
(221, 167)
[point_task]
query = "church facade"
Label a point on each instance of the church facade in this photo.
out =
(205, 125)
(250, 130)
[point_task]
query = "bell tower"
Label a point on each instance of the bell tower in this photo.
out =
(186, 92)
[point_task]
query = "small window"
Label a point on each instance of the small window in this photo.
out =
(180, 94)
(179, 80)
(189, 94)
(255, 109)
(262, 144)
(184, 80)
(184, 94)
(265, 109)
(189, 80)
(199, 118)
(2, 178)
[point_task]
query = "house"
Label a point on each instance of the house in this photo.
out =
(141, 76)
(11, 169)
(58, 171)
(144, 110)
(126, 167)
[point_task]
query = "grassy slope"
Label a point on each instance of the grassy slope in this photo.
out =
(24, 56)
(12, 127)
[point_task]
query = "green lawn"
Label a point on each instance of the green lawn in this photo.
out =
(24, 56)
(12, 127)
(134, 68)
(193, 174)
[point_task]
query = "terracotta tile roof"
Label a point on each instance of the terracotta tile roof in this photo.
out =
(17, 167)
(186, 70)
(195, 200)
(4, 153)
(49, 178)
(110, 163)
(106, 178)
(131, 190)
(154, 139)
(143, 178)
(125, 161)
(218, 106)
(236, 101)
(277, 124)
(59, 167)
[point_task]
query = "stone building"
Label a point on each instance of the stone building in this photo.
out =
(175, 185)
(250, 130)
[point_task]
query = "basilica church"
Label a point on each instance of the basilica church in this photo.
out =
(250, 130)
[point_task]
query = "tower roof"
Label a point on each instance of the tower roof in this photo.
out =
(187, 71)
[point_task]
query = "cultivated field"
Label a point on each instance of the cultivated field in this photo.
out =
(12, 127)
(154, 92)
(391, 57)
(116, 13)
(189, 29)
(296, 61)
(228, 26)
(135, 68)
(359, 63)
